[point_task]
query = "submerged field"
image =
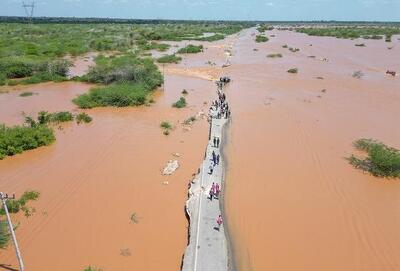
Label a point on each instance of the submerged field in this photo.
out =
(293, 200)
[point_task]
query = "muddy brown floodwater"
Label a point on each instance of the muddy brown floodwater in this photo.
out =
(293, 201)
(96, 176)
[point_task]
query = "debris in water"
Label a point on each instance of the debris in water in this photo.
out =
(125, 252)
(134, 218)
(171, 167)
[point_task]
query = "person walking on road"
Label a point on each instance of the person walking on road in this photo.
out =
(211, 170)
(219, 222)
(212, 192)
(217, 190)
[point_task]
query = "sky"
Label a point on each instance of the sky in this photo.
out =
(269, 10)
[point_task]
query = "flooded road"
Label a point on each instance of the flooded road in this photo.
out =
(293, 201)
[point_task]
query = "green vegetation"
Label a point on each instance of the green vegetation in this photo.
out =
(83, 117)
(166, 126)
(14, 205)
(360, 45)
(129, 81)
(185, 92)
(16, 139)
(293, 50)
(191, 49)
(351, 32)
(35, 52)
(274, 55)
(264, 27)
(381, 160)
(261, 38)
(5, 234)
(189, 120)
(89, 268)
(293, 70)
(358, 74)
(169, 59)
(285, 46)
(145, 45)
(26, 94)
(180, 103)
(33, 71)
(45, 118)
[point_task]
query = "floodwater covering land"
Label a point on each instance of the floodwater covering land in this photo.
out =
(292, 199)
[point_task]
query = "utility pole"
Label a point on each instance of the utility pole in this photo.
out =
(4, 199)
(29, 9)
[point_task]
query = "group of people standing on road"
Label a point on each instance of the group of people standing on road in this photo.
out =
(214, 191)
(221, 106)
(219, 109)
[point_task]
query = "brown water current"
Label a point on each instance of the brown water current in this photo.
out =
(293, 201)
(96, 176)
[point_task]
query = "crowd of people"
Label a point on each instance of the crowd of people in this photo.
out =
(219, 109)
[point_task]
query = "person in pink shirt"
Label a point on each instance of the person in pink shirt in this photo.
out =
(219, 222)
(217, 190)
(212, 191)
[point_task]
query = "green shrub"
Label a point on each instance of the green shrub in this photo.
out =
(293, 70)
(293, 50)
(169, 59)
(62, 116)
(83, 117)
(185, 92)
(360, 45)
(26, 94)
(28, 196)
(130, 81)
(191, 49)
(180, 103)
(89, 268)
(351, 32)
(166, 125)
(261, 38)
(381, 160)
(5, 234)
(212, 38)
(3, 79)
(264, 27)
(14, 140)
(118, 95)
(124, 69)
(189, 120)
(15, 205)
(274, 55)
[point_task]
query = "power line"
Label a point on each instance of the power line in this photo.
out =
(29, 9)
(4, 198)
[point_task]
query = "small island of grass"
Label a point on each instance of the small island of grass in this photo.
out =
(191, 49)
(381, 160)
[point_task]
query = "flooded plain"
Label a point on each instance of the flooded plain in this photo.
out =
(292, 199)
(97, 179)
